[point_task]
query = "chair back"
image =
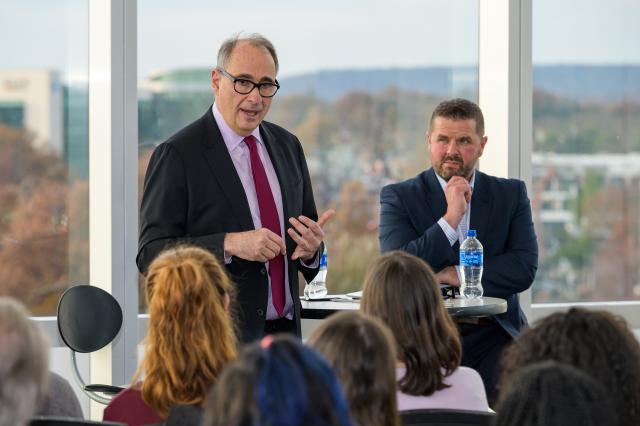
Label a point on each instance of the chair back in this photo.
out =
(184, 415)
(89, 318)
(445, 417)
(67, 421)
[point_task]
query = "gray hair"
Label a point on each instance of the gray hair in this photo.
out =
(256, 40)
(23, 364)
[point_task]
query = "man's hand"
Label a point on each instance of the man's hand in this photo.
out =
(307, 234)
(260, 245)
(458, 195)
(448, 275)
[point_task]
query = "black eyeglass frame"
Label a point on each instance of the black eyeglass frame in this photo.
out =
(235, 79)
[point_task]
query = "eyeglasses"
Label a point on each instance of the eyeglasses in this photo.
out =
(244, 86)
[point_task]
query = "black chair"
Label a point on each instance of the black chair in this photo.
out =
(445, 417)
(89, 319)
(65, 421)
(183, 415)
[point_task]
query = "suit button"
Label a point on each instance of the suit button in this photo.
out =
(260, 312)
(263, 271)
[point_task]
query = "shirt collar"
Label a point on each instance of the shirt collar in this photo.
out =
(231, 139)
(443, 183)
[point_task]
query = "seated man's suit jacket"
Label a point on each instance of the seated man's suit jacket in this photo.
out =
(193, 194)
(501, 215)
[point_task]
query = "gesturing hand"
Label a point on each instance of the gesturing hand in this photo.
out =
(260, 245)
(307, 234)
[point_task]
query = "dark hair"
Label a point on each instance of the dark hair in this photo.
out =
(277, 382)
(403, 292)
(459, 109)
(597, 342)
(256, 40)
(361, 351)
(554, 394)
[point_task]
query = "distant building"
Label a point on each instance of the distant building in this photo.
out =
(33, 99)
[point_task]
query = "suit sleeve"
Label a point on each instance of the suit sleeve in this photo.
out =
(398, 233)
(308, 209)
(513, 271)
(163, 211)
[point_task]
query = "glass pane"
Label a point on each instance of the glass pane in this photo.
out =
(586, 142)
(359, 79)
(44, 198)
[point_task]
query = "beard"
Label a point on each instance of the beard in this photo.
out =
(464, 170)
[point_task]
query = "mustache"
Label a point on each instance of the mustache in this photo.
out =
(455, 158)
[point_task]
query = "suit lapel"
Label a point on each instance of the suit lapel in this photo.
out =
(436, 201)
(480, 205)
(222, 167)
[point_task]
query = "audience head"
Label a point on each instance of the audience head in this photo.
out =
(596, 342)
(554, 394)
(190, 336)
(23, 364)
(277, 382)
(403, 292)
(361, 351)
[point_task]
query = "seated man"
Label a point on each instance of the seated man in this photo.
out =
(429, 215)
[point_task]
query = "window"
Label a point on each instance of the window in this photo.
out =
(44, 219)
(357, 92)
(586, 150)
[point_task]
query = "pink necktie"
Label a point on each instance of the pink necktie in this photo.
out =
(270, 220)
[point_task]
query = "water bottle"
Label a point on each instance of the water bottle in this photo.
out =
(471, 266)
(317, 288)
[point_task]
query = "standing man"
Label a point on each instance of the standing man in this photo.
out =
(239, 187)
(429, 215)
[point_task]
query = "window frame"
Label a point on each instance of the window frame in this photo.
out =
(504, 50)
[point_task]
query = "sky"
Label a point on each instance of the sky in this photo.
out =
(311, 36)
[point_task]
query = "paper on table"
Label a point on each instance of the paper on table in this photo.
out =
(355, 294)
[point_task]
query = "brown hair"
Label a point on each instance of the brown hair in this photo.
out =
(190, 336)
(459, 109)
(361, 351)
(596, 342)
(403, 292)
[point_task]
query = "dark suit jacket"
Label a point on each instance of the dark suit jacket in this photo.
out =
(193, 194)
(501, 215)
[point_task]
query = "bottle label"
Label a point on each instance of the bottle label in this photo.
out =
(471, 258)
(323, 260)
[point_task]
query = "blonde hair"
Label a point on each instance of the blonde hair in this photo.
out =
(23, 364)
(190, 336)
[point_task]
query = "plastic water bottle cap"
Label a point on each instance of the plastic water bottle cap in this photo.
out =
(471, 233)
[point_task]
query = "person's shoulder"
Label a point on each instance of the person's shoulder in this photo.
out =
(416, 183)
(124, 398)
(190, 134)
(507, 188)
(277, 130)
(498, 180)
(129, 406)
(501, 181)
(467, 375)
(61, 400)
